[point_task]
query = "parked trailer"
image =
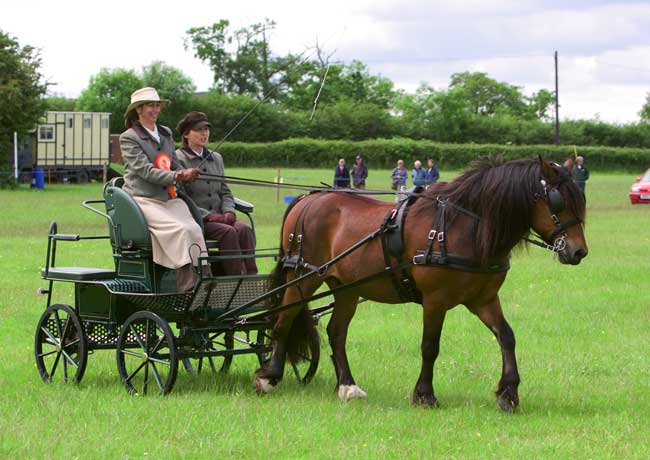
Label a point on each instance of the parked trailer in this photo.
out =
(69, 146)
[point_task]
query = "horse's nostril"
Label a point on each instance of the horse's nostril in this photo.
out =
(580, 254)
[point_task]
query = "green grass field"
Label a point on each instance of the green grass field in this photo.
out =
(583, 345)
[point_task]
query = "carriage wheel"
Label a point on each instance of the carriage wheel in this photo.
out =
(60, 345)
(305, 368)
(211, 342)
(146, 354)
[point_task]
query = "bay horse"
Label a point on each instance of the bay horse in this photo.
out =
(482, 215)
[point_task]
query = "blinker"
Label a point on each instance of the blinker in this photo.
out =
(556, 201)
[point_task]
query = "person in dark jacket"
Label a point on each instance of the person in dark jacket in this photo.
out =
(418, 174)
(359, 174)
(341, 175)
(214, 198)
(580, 173)
(431, 174)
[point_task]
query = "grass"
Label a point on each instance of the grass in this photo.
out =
(583, 344)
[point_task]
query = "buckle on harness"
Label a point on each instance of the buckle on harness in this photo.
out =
(432, 235)
(441, 237)
(419, 259)
(393, 214)
(300, 238)
(290, 237)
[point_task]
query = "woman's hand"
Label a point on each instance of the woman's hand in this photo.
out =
(214, 217)
(187, 175)
(229, 218)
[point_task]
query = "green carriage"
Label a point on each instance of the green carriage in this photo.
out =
(135, 310)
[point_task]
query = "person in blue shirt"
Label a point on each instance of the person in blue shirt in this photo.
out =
(431, 174)
(418, 174)
(341, 175)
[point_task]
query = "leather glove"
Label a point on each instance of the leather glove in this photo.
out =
(218, 218)
(229, 218)
(187, 175)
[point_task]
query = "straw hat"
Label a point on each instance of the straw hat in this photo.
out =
(141, 97)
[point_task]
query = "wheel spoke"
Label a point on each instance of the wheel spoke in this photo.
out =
(157, 376)
(68, 345)
(137, 337)
(47, 353)
(69, 359)
(214, 368)
(56, 361)
(132, 374)
(159, 361)
(65, 367)
(58, 323)
(53, 340)
(161, 339)
(132, 353)
(146, 378)
(200, 366)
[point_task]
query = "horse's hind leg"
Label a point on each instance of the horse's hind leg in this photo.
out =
(433, 318)
(492, 316)
(337, 331)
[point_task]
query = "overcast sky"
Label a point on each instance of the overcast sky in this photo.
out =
(604, 46)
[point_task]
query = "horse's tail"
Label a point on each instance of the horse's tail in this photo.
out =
(302, 331)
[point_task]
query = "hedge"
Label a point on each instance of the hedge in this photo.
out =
(383, 153)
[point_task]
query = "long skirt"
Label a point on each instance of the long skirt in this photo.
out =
(176, 238)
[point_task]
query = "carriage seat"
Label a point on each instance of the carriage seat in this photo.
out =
(77, 273)
(127, 218)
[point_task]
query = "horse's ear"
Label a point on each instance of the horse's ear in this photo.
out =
(545, 168)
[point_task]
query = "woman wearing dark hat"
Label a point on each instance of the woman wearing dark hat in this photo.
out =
(359, 173)
(214, 198)
(151, 172)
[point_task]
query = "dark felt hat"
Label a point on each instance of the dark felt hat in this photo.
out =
(192, 120)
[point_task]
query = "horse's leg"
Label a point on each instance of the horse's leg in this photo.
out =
(433, 318)
(268, 376)
(492, 316)
(337, 331)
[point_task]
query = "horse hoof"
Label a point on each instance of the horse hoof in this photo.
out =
(264, 385)
(425, 400)
(348, 392)
(507, 404)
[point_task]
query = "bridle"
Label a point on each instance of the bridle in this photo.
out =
(556, 204)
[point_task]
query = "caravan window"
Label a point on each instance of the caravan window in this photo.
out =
(87, 122)
(104, 122)
(69, 122)
(46, 133)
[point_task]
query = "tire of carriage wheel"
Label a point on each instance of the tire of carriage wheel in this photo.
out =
(60, 345)
(146, 354)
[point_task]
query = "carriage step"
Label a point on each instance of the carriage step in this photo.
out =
(77, 273)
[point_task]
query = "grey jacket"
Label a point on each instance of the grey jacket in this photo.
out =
(211, 196)
(139, 152)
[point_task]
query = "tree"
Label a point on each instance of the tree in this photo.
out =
(110, 91)
(21, 93)
(487, 96)
(59, 103)
(241, 60)
(645, 110)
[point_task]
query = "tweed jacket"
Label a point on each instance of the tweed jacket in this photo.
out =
(211, 196)
(139, 152)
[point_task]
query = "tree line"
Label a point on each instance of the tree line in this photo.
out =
(305, 95)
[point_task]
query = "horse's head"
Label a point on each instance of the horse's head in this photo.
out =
(559, 213)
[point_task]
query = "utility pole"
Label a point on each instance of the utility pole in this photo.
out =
(557, 106)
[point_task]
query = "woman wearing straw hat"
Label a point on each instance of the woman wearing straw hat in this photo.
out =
(214, 198)
(151, 172)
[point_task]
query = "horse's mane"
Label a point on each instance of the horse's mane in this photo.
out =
(503, 194)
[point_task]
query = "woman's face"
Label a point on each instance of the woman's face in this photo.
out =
(148, 113)
(198, 137)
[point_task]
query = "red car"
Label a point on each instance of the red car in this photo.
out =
(640, 190)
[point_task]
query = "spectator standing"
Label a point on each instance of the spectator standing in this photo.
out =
(359, 173)
(398, 178)
(580, 173)
(341, 175)
(431, 174)
(418, 174)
